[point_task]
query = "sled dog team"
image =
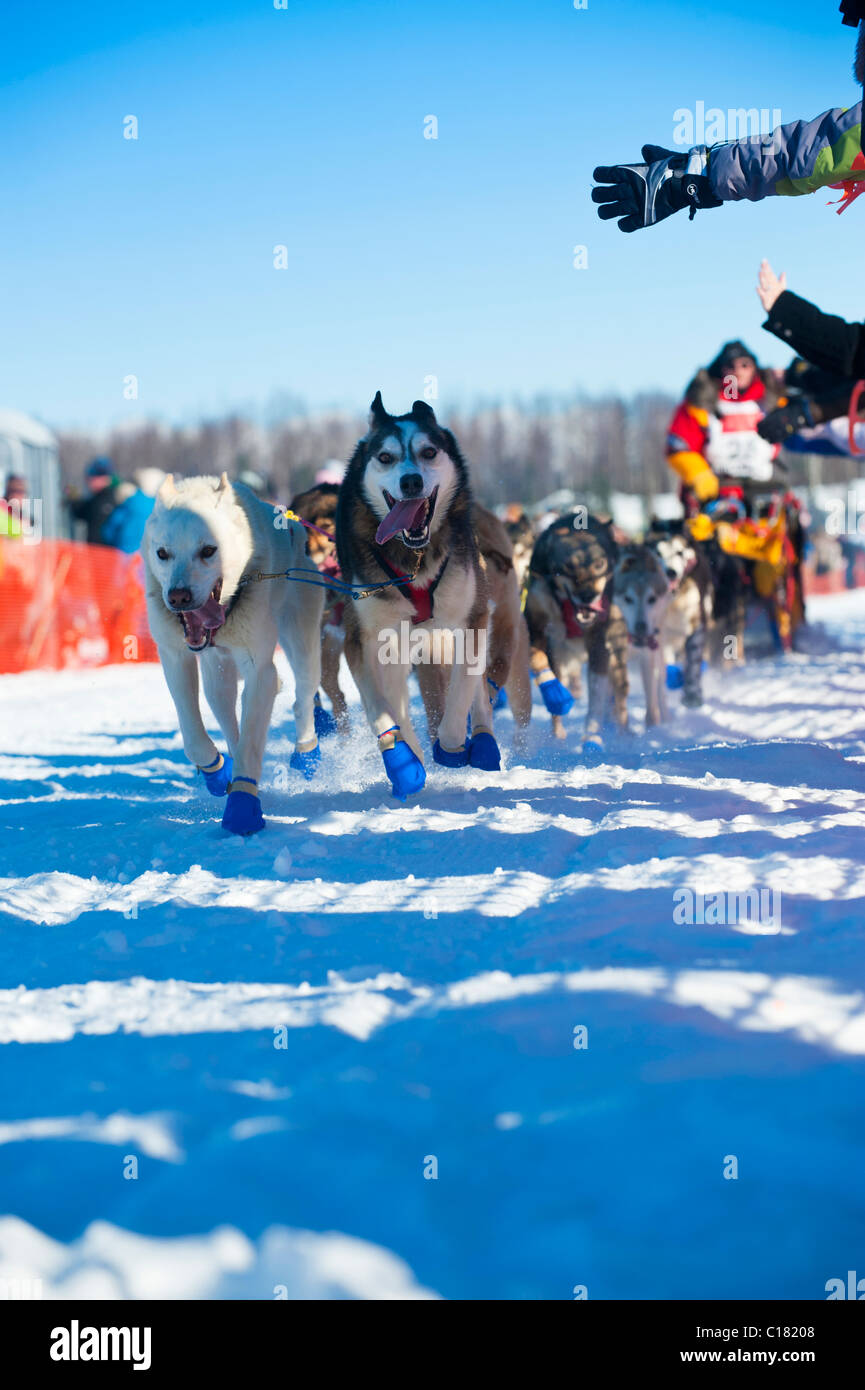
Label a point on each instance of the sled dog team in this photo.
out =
(229, 576)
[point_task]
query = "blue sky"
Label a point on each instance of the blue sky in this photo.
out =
(406, 257)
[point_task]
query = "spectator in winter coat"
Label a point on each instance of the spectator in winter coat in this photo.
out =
(834, 348)
(124, 528)
(823, 339)
(95, 509)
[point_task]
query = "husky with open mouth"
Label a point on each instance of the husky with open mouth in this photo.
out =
(404, 520)
(214, 560)
(572, 616)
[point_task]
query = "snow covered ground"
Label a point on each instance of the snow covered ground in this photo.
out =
(287, 1033)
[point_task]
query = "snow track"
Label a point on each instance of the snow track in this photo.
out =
(284, 1031)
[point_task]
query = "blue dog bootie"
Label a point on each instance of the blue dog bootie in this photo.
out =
(242, 815)
(484, 751)
(306, 762)
(325, 724)
(498, 695)
(593, 750)
(458, 757)
(403, 767)
(675, 678)
(217, 775)
(557, 699)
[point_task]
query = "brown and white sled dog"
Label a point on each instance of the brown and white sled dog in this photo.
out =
(571, 615)
(688, 615)
(204, 545)
(508, 636)
(318, 506)
(508, 657)
(522, 538)
(404, 521)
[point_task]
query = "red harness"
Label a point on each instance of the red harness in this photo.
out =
(420, 597)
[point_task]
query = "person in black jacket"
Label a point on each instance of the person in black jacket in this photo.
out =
(826, 340)
(834, 348)
(95, 509)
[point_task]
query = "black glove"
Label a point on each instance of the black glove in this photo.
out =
(817, 396)
(642, 194)
(779, 424)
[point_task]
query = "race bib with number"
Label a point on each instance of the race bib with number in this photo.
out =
(741, 454)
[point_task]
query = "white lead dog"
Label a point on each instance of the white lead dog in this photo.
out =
(204, 546)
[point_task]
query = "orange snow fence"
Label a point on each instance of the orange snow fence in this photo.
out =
(64, 604)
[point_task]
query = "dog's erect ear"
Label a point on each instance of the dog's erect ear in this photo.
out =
(450, 441)
(378, 416)
(166, 489)
(423, 413)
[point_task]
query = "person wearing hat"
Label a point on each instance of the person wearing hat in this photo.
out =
(712, 444)
(96, 507)
(125, 525)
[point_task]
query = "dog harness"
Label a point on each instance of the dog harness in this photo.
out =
(420, 598)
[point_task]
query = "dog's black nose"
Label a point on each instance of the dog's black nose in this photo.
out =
(180, 598)
(411, 484)
(671, 574)
(641, 630)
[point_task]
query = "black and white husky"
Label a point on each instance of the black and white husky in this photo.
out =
(404, 521)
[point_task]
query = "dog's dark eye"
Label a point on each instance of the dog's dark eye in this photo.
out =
(162, 553)
(651, 598)
(428, 453)
(207, 551)
(385, 457)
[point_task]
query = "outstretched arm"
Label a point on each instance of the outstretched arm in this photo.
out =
(824, 339)
(796, 158)
(827, 341)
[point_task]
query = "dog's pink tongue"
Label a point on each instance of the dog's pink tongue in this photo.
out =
(401, 517)
(198, 621)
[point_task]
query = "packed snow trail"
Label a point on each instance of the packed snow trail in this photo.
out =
(426, 968)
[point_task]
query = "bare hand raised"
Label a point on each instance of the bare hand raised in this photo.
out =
(770, 286)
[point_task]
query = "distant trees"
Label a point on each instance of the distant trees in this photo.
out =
(516, 452)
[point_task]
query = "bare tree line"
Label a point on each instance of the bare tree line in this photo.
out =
(517, 453)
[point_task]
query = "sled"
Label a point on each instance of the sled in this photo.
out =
(772, 558)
